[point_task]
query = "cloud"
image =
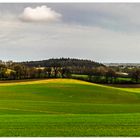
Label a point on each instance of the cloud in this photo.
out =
(40, 14)
(63, 40)
(108, 39)
(112, 16)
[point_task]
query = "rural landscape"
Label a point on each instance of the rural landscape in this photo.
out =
(69, 70)
(68, 97)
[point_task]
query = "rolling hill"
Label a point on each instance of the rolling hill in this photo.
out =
(66, 107)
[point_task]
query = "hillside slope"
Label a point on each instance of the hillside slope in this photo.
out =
(66, 107)
(65, 96)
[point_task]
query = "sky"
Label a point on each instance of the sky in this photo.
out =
(102, 32)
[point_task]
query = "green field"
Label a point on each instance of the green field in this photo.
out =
(79, 76)
(66, 107)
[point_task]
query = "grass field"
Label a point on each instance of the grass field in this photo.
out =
(79, 76)
(66, 107)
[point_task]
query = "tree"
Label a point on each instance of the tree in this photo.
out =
(135, 74)
(65, 72)
(90, 73)
(48, 71)
(110, 74)
(20, 70)
(98, 73)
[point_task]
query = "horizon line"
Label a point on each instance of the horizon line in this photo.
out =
(104, 62)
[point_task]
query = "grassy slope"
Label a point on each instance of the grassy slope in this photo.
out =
(68, 108)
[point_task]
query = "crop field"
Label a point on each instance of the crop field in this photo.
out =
(66, 107)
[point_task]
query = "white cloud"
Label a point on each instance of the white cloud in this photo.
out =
(40, 14)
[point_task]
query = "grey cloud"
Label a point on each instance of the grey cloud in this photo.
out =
(102, 32)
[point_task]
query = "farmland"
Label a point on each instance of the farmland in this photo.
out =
(66, 107)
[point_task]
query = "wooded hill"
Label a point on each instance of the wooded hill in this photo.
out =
(63, 62)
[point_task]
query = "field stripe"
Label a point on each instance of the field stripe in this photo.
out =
(17, 109)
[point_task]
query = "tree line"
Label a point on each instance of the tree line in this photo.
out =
(19, 71)
(109, 75)
(65, 68)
